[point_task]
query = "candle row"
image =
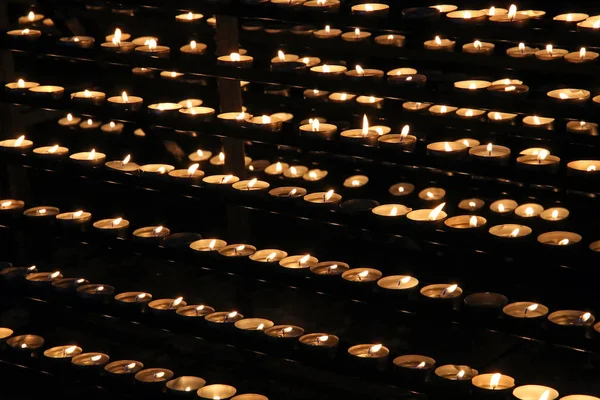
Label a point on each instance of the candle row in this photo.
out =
(155, 378)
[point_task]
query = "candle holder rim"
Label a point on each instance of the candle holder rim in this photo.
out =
(414, 281)
(168, 373)
(429, 362)
(197, 382)
(481, 379)
(122, 295)
(553, 392)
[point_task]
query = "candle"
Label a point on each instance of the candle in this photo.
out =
(560, 239)
(42, 212)
(18, 145)
(371, 351)
(162, 306)
(310, 61)
(237, 250)
(43, 278)
(356, 181)
(328, 71)
(491, 154)
(361, 275)
(370, 9)
(572, 318)
(68, 285)
(323, 5)
(195, 114)
(441, 109)
(329, 198)
(219, 181)
(364, 136)
(370, 101)
(569, 95)
(571, 17)
(511, 232)
(538, 392)
(288, 192)
(512, 17)
(174, 75)
(590, 23)
(356, 36)
(189, 17)
(299, 262)
(456, 372)
(74, 218)
(191, 174)
(47, 91)
(452, 150)
(112, 226)
(117, 43)
(251, 185)
(267, 123)
(20, 86)
(439, 44)
(112, 127)
(472, 85)
(153, 376)
(478, 47)
(470, 16)
(217, 391)
(31, 18)
(284, 331)
(318, 130)
(398, 283)
(63, 352)
(208, 245)
(89, 158)
(185, 384)
(319, 340)
(151, 233)
(555, 214)
(11, 207)
(24, 34)
(126, 102)
(193, 48)
(194, 311)
(445, 8)
(156, 169)
(521, 51)
(90, 360)
(468, 113)
(124, 165)
(269, 256)
(90, 124)
(337, 97)
(329, 268)
(583, 127)
(88, 97)
(415, 106)
(500, 117)
(390, 40)
(414, 367)
(391, 211)
(224, 317)
(327, 33)
(93, 291)
(543, 162)
(164, 109)
(123, 367)
(495, 11)
(401, 189)
(529, 210)
(25, 343)
(69, 121)
(550, 53)
(402, 141)
(138, 299)
(152, 49)
(493, 382)
(200, 156)
(525, 310)
(143, 72)
(81, 42)
(442, 291)
(399, 76)
(466, 223)
(235, 60)
(295, 171)
(581, 56)
(432, 195)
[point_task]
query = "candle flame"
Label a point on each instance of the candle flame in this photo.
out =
(6, 204)
(404, 133)
(582, 53)
(89, 122)
(187, 389)
(429, 195)
(467, 15)
(563, 242)
(292, 192)
(363, 274)
(514, 234)
(596, 24)
(438, 41)
(473, 222)
(69, 117)
(212, 243)
(140, 296)
(270, 257)
(449, 289)
(54, 275)
(260, 327)
(323, 338)
(190, 16)
(21, 83)
(265, 119)
(235, 57)
(25, 32)
(130, 366)
(569, 17)
(591, 168)
(478, 45)
(19, 141)
(306, 60)
(563, 95)
(158, 375)
(542, 155)
(239, 117)
(287, 329)
(24, 345)
(343, 96)
(328, 195)
(173, 74)
(549, 48)
(116, 221)
(77, 214)
(157, 230)
(226, 178)
(545, 395)
(95, 358)
(304, 259)
(315, 126)
(365, 126)
(293, 171)
(433, 215)
(532, 307)
(492, 11)
(495, 380)
(252, 182)
(497, 116)
(176, 302)
(31, 16)
(585, 317)
(529, 211)
(70, 350)
(421, 365)
(126, 160)
(357, 32)
(390, 37)
(91, 154)
(193, 45)
(394, 211)
(375, 348)
(239, 248)
(232, 314)
(87, 94)
(281, 56)
(326, 69)
(359, 70)
(355, 182)
(512, 11)
(327, 27)
(192, 169)
(447, 146)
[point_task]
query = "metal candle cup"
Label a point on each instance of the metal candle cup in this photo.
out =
(414, 368)
(112, 227)
(216, 391)
(369, 356)
(535, 392)
(490, 154)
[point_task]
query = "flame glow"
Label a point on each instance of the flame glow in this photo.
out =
(192, 169)
(433, 215)
(514, 233)
(563, 242)
(438, 41)
(495, 380)
(328, 195)
(473, 222)
(512, 11)
(375, 348)
(116, 221)
(281, 56)
(235, 57)
(95, 358)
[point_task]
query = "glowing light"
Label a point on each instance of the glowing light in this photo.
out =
(563, 242)
(359, 70)
(251, 183)
(31, 16)
(591, 168)
(235, 57)
(91, 154)
(375, 348)
(512, 11)
(126, 160)
(549, 48)
(473, 222)
(438, 41)
(495, 380)
(281, 56)
(192, 169)
(77, 214)
(542, 155)
(226, 178)
(265, 119)
(357, 32)
(326, 69)
(545, 395)
(447, 146)
(19, 141)
(315, 127)
(116, 221)
(95, 358)
(328, 195)
(193, 45)
(514, 233)
(478, 45)
(529, 211)
(449, 289)
(582, 53)
(6, 204)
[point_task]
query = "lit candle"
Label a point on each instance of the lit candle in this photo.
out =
(81, 42)
(538, 392)
(469, 113)
(219, 181)
(390, 40)
(152, 49)
(373, 352)
(511, 232)
(90, 360)
(295, 171)
(184, 385)
(69, 121)
(497, 383)
(555, 214)
(327, 33)
(415, 106)
(18, 145)
(559, 239)
(390, 212)
(466, 223)
(550, 53)
(11, 207)
(30, 18)
(398, 283)
(467, 16)
(189, 17)
(47, 91)
(439, 44)
(490, 12)
(20, 86)
(329, 268)
(62, 352)
(193, 48)
(591, 24)
(445, 8)
(529, 210)
(360, 74)
(192, 174)
(442, 291)
(144, 40)
(123, 368)
(216, 392)
(166, 306)
(196, 114)
(402, 141)
(96, 292)
(74, 218)
(171, 75)
(200, 156)
(317, 130)
(364, 136)
(478, 47)
(370, 9)
(491, 153)
(288, 193)
(572, 318)
(235, 60)
(322, 5)
(43, 278)
(25, 343)
(208, 245)
(571, 17)
(124, 102)
(164, 109)
(89, 124)
(341, 97)
(124, 165)
(525, 310)
(136, 300)
(581, 56)
(112, 226)
(266, 123)
(432, 195)
(315, 175)
(451, 150)
(194, 311)
(472, 85)
(24, 34)
(251, 186)
(151, 234)
(89, 158)
(583, 168)
(501, 117)
(156, 169)
(117, 43)
(569, 95)
(521, 51)
(356, 36)
(414, 367)
(237, 250)
(428, 217)
(88, 97)
(542, 162)
(512, 17)
(328, 71)
(329, 198)
(153, 376)
(441, 110)
(319, 341)
(504, 206)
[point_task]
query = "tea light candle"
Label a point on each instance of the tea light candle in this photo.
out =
(81, 42)
(112, 226)
(252, 185)
(583, 127)
(69, 121)
(68, 285)
(41, 212)
(195, 311)
(361, 275)
(439, 44)
(428, 216)
(237, 250)
(318, 130)
(327, 33)
(356, 181)
(196, 114)
(465, 223)
(236, 60)
(269, 256)
(153, 375)
(391, 211)
(31, 18)
(43, 278)
(164, 109)
(267, 123)
(62, 352)
(559, 238)
(11, 207)
(124, 165)
(521, 51)
(572, 318)
(322, 5)
(185, 385)
(555, 214)
(493, 382)
(89, 158)
(74, 218)
(88, 97)
(315, 175)
(90, 360)
(543, 161)
(537, 392)
(20, 87)
(156, 169)
(284, 331)
(189, 17)
(191, 174)
(123, 367)
(95, 291)
(200, 156)
(456, 372)
(133, 298)
(398, 283)
(472, 85)
(24, 34)
(468, 113)
(415, 106)
(402, 141)
(550, 53)
(151, 233)
(288, 192)
(500, 117)
(47, 91)
(432, 194)
(370, 9)
(390, 40)
(571, 17)
(152, 49)
(581, 56)
(569, 95)
(326, 70)
(234, 118)
(117, 43)
(329, 198)
(470, 16)
(364, 136)
(319, 340)
(356, 36)
(511, 232)
(451, 150)
(217, 391)
(295, 171)
(193, 48)
(415, 365)
(219, 181)
(299, 262)
(400, 72)
(329, 268)
(525, 310)
(441, 109)
(376, 351)
(590, 23)
(491, 153)
(442, 291)
(360, 74)
(90, 124)
(162, 306)
(478, 47)
(370, 101)
(25, 343)
(341, 97)
(126, 102)
(18, 145)
(529, 210)
(224, 317)
(208, 245)
(512, 17)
